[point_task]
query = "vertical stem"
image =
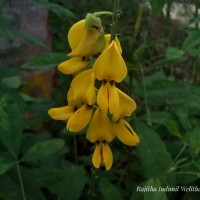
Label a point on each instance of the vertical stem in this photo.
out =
(75, 150)
(146, 98)
(114, 19)
(20, 180)
(92, 184)
(197, 28)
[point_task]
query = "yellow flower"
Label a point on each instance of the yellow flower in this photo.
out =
(110, 65)
(63, 113)
(82, 87)
(100, 131)
(125, 133)
(125, 108)
(92, 39)
(81, 96)
(100, 128)
(108, 98)
(73, 65)
(80, 119)
(102, 155)
(107, 40)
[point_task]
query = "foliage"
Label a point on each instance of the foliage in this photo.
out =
(41, 160)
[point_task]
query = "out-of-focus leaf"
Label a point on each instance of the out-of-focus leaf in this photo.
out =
(7, 34)
(167, 61)
(56, 8)
(172, 52)
(12, 82)
(10, 188)
(29, 38)
(70, 180)
(109, 190)
(156, 184)
(192, 42)
(45, 61)
(11, 124)
(43, 149)
(157, 6)
(152, 152)
(5, 19)
(172, 128)
(5, 163)
(8, 72)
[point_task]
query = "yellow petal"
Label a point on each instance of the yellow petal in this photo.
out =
(70, 97)
(83, 87)
(113, 99)
(62, 113)
(86, 47)
(110, 65)
(80, 119)
(126, 106)
(100, 128)
(107, 156)
(76, 33)
(125, 133)
(96, 158)
(107, 40)
(102, 97)
(73, 65)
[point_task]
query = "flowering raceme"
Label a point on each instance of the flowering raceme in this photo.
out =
(102, 108)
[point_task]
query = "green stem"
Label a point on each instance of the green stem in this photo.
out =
(180, 152)
(75, 150)
(92, 184)
(146, 98)
(114, 19)
(103, 13)
(20, 180)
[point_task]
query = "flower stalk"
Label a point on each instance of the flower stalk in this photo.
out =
(114, 19)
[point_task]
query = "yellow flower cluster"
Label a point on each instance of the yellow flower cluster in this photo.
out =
(101, 109)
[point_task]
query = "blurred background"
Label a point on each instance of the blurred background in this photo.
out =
(40, 159)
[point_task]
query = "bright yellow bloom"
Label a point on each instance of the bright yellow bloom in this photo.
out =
(92, 39)
(80, 119)
(107, 39)
(73, 65)
(125, 108)
(110, 65)
(80, 98)
(102, 155)
(83, 88)
(125, 133)
(62, 113)
(108, 98)
(100, 128)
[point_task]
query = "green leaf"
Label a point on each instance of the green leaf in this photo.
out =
(157, 6)
(8, 72)
(6, 162)
(45, 61)
(56, 8)
(12, 82)
(109, 190)
(11, 124)
(29, 38)
(172, 128)
(152, 152)
(172, 52)
(156, 184)
(43, 149)
(5, 19)
(192, 42)
(66, 182)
